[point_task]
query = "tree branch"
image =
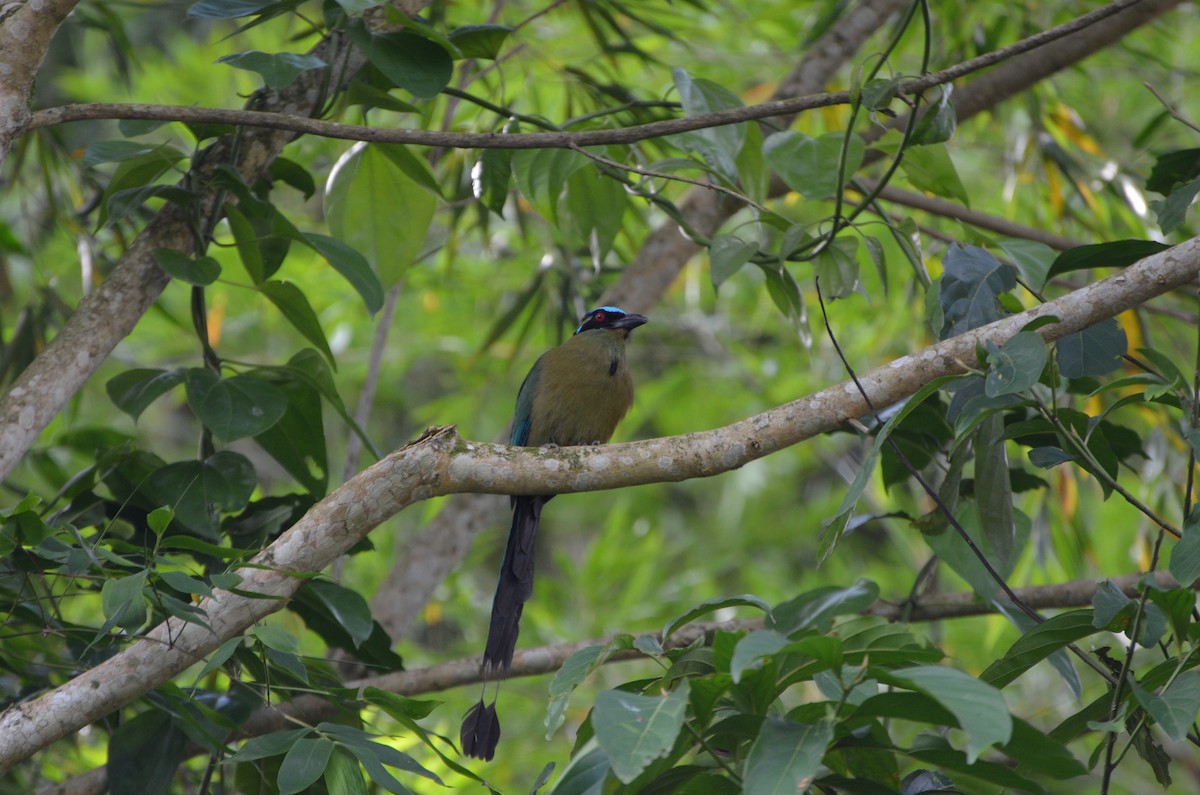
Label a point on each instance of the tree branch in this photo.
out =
(441, 463)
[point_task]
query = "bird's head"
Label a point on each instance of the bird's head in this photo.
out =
(610, 318)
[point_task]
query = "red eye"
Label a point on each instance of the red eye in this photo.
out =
(598, 317)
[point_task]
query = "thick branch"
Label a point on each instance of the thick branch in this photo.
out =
(441, 463)
(25, 34)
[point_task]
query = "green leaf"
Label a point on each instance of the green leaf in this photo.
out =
(970, 290)
(352, 265)
(276, 638)
(1094, 351)
(123, 602)
(808, 165)
(818, 607)
(303, 764)
(1115, 254)
(929, 168)
(297, 440)
(938, 122)
(1185, 554)
(480, 41)
(184, 583)
(278, 69)
(878, 93)
(134, 390)
(233, 408)
(1016, 365)
(490, 178)
(727, 254)
(342, 775)
(1037, 644)
(267, 745)
(411, 62)
(711, 606)
(832, 529)
(370, 188)
(1172, 210)
(571, 675)
(752, 648)
(596, 205)
(144, 754)
(1032, 259)
(837, 267)
(221, 656)
(193, 270)
(159, 519)
(719, 146)
(1107, 603)
(223, 482)
(247, 243)
(119, 151)
(785, 757)
(979, 707)
(345, 606)
(288, 298)
(1174, 710)
(541, 175)
(635, 730)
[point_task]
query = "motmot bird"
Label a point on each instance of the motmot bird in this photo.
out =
(574, 394)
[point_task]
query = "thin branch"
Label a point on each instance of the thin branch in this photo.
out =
(548, 140)
(992, 223)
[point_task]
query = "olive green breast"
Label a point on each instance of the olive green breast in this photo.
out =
(583, 390)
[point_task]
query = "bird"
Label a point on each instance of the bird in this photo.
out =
(575, 394)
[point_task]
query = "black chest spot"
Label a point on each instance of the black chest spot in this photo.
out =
(612, 366)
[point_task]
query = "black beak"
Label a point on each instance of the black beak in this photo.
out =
(630, 322)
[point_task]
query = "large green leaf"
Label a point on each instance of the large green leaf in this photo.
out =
(233, 408)
(134, 390)
(297, 440)
(197, 489)
(1016, 365)
(978, 707)
(289, 299)
(596, 204)
(144, 754)
(1094, 351)
(970, 290)
(635, 730)
(411, 62)
(1185, 554)
(809, 165)
(352, 265)
(278, 69)
(817, 608)
(1039, 643)
(785, 757)
(303, 764)
(1175, 708)
(376, 206)
(930, 168)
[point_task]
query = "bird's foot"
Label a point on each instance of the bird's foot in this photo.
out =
(549, 446)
